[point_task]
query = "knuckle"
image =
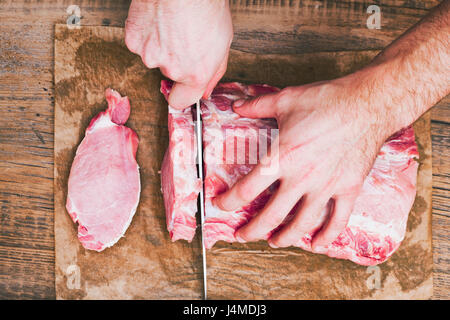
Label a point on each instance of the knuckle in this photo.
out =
(131, 42)
(147, 62)
(147, 57)
(199, 78)
(173, 73)
(284, 97)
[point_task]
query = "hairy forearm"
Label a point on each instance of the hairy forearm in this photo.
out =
(412, 74)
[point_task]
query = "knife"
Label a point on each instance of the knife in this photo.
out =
(202, 198)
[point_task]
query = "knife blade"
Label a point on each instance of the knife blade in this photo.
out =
(202, 198)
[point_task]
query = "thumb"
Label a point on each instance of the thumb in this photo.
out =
(260, 107)
(183, 95)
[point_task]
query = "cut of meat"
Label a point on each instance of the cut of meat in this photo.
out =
(228, 156)
(180, 185)
(104, 184)
(378, 222)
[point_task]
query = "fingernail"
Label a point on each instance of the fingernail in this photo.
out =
(222, 205)
(272, 245)
(238, 103)
(239, 239)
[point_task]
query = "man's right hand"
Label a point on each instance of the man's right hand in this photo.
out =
(188, 40)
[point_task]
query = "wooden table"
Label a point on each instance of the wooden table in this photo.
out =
(27, 102)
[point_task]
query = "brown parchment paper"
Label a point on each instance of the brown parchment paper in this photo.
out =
(145, 264)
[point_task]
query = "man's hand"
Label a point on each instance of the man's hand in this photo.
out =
(327, 145)
(188, 40)
(330, 133)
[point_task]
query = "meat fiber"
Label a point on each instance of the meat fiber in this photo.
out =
(104, 184)
(179, 181)
(378, 222)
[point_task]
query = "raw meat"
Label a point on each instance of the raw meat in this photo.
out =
(227, 138)
(179, 181)
(104, 184)
(378, 222)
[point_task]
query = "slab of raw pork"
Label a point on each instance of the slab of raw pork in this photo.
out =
(179, 182)
(104, 184)
(378, 222)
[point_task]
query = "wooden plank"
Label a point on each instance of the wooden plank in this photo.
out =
(441, 167)
(24, 271)
(26, 93)
(441, 256)
(441, 111)
(313, 26)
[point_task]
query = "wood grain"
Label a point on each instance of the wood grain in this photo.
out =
(26, 102)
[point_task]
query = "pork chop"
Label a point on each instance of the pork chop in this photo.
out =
(104, 183)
